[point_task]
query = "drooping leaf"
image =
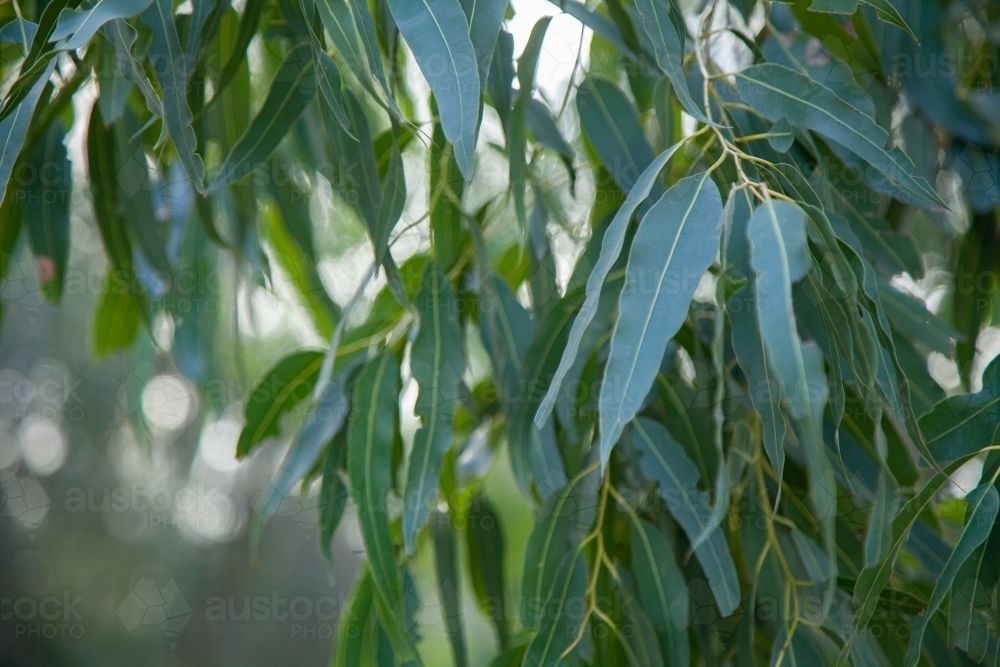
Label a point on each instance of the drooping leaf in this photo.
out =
(292, 89)
(446, 568)
(526, 66)
(677, 240)
(983, 504)
(665, 462)
(369, 465)
(747, 341)
(438, 35)
(437, 365)
(873, 580)
(965, 424)
(549, 543)
(614, 241)
(46, 209)
(609, 122)
(117, 320)
(173, 72)
(290, 381)
(318, 430)
(662, 590)
(333, 493)
(79, 26)
(366, 31)
(14, 127)
(485, 546)
(775, 91)
(561, 616)
(669, 45)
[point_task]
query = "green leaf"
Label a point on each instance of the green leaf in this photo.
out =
(366, 30)
(485, 546)
(353, 622)
(339, 22)
(677, 240)
(512, 657)
(282, 388)
(780, 256)
(369, 464)
(13, 129)
(669, 47)
(80, 26)
(562, 614)
(526, 66)
(323, 423)
(333, 493)
(46, 209)
(549, 543)
(775, 91)
(545, 131)
(38, 60)
(292, 89)
(102, 177)
(436, 364)
(834, 6)
(532, 447)
(249, 19)
(611, 248)
(173, 72)
(747, 340)
(639, 639)
(888, 13)
(661, 589)
(873, 580)
(392, 199)
(438, 35)
(485, 19)
(982, 513)
(610, 123)
(123, 37)
(117, 320)
(447, 186)
(963, 425)
(446, 568)
(665, 462)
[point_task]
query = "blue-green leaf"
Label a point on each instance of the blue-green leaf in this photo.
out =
(614, 241)
(79, 26)
(775, 92)
(562, 614)
(14, 127)
(173, 72)
(438, 35)
(662, 589)
(962, 425)
(292, 89)
(677, 240)
(437, 365)
(665, 462)
(982, 513)
(369, 465)
(669, 47)
(285, 385)
(526, 66)
(320, 427)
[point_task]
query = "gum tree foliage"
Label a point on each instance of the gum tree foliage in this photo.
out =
(721, 413)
